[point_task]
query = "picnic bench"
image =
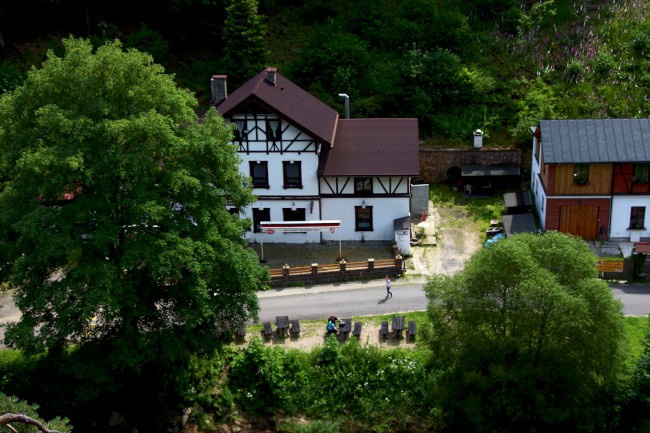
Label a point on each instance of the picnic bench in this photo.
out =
(411, 331)
(357, 329)
(398, 324)
(295, 327)
(345, 327)
(383, 330)
(267, 331)
(240, 332)
(282, 324)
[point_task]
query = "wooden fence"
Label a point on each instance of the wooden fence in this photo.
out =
(341, 271)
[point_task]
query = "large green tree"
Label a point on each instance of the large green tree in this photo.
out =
(113, 222)
(528, 336)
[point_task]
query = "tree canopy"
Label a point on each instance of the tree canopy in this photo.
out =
(113, 222)
(528, 336)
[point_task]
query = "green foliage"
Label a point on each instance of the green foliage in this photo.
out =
(11, 404)
(387, 387)
(332, 60)
(316, 426)
(149, 41)
(515, 362)
(634, 416)
(113, 226)
(538, 102)
(11, 76)
(244, 33)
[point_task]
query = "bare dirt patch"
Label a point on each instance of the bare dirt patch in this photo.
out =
(458, 240)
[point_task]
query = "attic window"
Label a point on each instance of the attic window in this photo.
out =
(640, 173)
(273, 130)
(240, 132)
(580, 174)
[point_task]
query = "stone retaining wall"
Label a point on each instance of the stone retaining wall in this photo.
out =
(434, 163)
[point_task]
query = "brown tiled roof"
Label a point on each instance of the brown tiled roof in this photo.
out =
(287, 99)
(374, 147)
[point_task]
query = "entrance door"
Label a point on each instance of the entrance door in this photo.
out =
(580, 221)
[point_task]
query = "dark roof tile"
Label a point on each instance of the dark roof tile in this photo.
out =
(374, 147)
(288, 100)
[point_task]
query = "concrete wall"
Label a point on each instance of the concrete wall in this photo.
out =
(434, 163)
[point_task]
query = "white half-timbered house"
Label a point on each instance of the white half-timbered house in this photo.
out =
(309, 165)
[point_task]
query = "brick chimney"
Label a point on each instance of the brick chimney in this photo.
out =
(218, 85)
(271, 75)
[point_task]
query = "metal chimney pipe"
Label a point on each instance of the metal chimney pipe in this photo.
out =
(347, 104)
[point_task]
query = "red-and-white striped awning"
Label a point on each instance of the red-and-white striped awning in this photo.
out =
(271, 227)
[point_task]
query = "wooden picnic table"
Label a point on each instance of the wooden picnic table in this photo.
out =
(282, 323)
(345, 326)
(398, 324)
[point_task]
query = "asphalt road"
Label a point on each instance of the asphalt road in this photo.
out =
(369, 298)
(342, 300)
(635, 298)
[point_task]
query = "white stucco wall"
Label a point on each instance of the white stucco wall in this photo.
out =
(621, 207)
(384, 211)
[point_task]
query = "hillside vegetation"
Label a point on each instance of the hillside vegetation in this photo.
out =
(498, 65)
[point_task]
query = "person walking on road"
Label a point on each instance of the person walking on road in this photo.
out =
(389, 294)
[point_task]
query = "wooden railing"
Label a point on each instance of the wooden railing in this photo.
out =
(337, 271)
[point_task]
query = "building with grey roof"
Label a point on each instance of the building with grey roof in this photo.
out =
(590, 177)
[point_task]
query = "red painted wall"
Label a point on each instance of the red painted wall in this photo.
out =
(553, 206)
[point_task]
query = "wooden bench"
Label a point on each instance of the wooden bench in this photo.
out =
(411, 331)
(295, 327)
(398, 325)
(282, 324)
(240, 332)
(267, 331)
(357, 329)
(345, 327)
(383, 330)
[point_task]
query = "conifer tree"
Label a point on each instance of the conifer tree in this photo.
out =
(245, 52)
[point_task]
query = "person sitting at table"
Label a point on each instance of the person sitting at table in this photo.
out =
(331, 325)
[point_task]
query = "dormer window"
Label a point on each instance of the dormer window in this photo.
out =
(580, 174)
(273, 130)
